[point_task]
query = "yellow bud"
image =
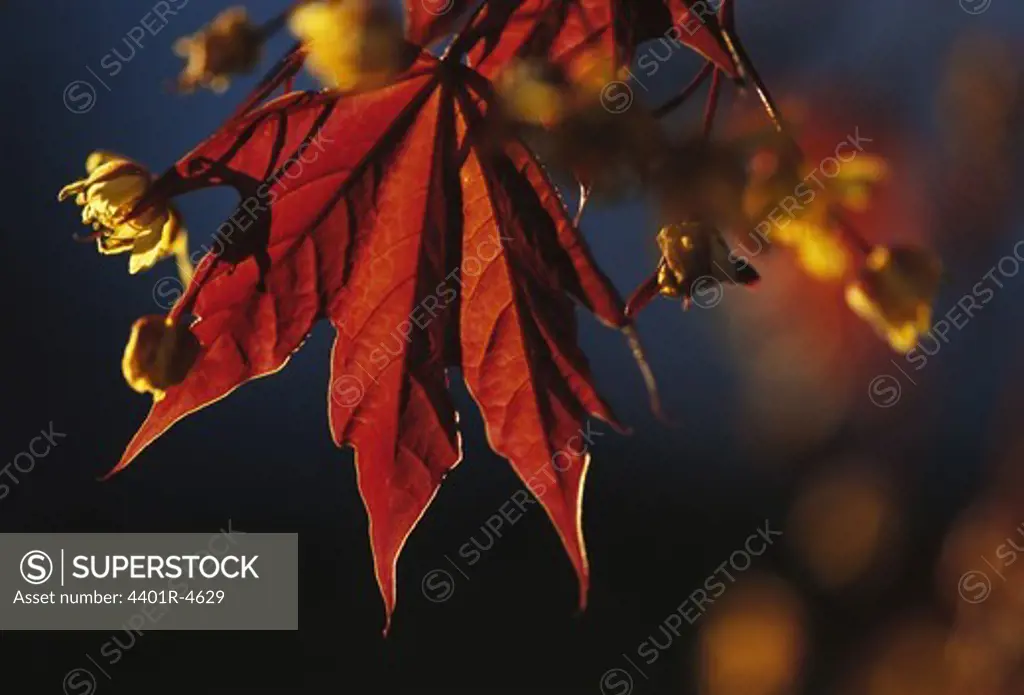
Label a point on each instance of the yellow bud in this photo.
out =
(159, 355)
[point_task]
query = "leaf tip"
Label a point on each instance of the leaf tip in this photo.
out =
(113, 471)
(584, 590)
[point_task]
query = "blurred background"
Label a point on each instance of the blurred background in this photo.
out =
(892, 491)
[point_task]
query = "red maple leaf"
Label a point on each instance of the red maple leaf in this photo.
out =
(428, 246)
(425, 250)
(561, 29)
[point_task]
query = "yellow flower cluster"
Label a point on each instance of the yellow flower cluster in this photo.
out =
(350, 44)
(108, 196)
(800, 215)
(159, 353)
(536, 92)
(894, 294)
(158, 356)
(229, 45)
(691, 252)
(895, 287)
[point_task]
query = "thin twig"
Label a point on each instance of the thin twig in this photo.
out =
(851, 234)
(282, 72)
(687, 92)
(650, 382)
(458, 38)
(584, 197)
(642, 296)
(276, 24)
(749, 73)
(712, 104)
(183, 262)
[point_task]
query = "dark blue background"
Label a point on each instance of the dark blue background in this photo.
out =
(663, 506)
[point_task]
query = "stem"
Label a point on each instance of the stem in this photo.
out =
(87, 238)
(712, 104)
(749, 72)
(281, 73)
(182, 260)
(687, 92)
(584, 197)
(276, 24)
(727, 14)
(642, 296)
(727, 26)
(739, 54)
(454, 48)
(650, 382)
(850, 233)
